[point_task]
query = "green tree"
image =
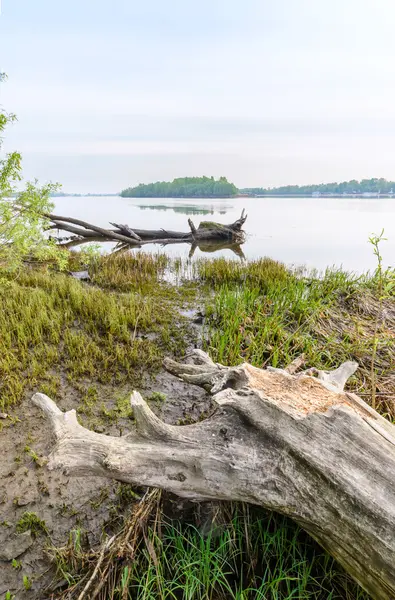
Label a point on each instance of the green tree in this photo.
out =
(184, 187)
(22, 220)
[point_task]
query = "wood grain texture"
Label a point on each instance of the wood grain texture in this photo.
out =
(297, 444)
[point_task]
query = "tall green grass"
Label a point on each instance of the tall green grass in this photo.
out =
(265, 314)
(253, 556)
(53, 327)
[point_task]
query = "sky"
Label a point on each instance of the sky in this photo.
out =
(265, 92)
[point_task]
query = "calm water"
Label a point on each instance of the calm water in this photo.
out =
(299, 231)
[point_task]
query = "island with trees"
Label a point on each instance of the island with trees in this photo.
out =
(184, 187)
(367, 187)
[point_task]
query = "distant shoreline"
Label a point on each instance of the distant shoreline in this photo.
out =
(366, 195)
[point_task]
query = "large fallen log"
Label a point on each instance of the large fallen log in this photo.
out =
(206, 232)
(292, 443)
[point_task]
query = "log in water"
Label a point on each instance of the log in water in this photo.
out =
(206, 232)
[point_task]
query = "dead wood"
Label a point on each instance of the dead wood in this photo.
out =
(293, 443)
(206, 232)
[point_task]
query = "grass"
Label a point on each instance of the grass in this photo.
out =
(16, 564)
(247, 554)
(157, 397)
(264, 314)
(58, 332)
(27, 584)
(68, 559)
(34, 456)
(129, 271)
(121, 409)
(29, 521)
(55, 328)
(254, 556)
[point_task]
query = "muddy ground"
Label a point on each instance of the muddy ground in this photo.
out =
(63, 502)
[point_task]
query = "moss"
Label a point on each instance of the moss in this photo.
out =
(121, 410)
(157, 397)
(211, 225)
(29, 521)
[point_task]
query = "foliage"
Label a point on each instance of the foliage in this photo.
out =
(29, 521)
(157, 397)
(16, 564)
(21, 213)
(184, 187)
(255, 555)
(54, 329)
(372, 186)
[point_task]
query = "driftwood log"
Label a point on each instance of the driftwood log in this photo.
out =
(293, 443)
(206, 232)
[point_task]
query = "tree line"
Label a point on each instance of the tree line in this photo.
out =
(184, 187)
(373, 185)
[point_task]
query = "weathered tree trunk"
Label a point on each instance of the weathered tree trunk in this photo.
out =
(295, 444)
(207, 231)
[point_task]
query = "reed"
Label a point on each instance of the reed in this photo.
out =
(264, 314)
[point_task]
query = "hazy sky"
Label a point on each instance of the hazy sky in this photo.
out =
(266, 92)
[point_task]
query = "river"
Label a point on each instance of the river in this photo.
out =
(314, 232)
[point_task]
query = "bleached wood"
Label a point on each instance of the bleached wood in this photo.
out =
(292, 443)
(213, 232)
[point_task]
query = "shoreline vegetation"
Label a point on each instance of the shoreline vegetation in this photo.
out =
(365, 188)
(208, 187)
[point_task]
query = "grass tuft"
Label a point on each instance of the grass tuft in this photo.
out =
(247, 554)
(29, 521)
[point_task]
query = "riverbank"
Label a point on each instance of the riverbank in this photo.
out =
(89, 344)
(318, 195)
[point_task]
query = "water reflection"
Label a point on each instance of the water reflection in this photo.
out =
(183, 210)
(205, 247)
(211, 247)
